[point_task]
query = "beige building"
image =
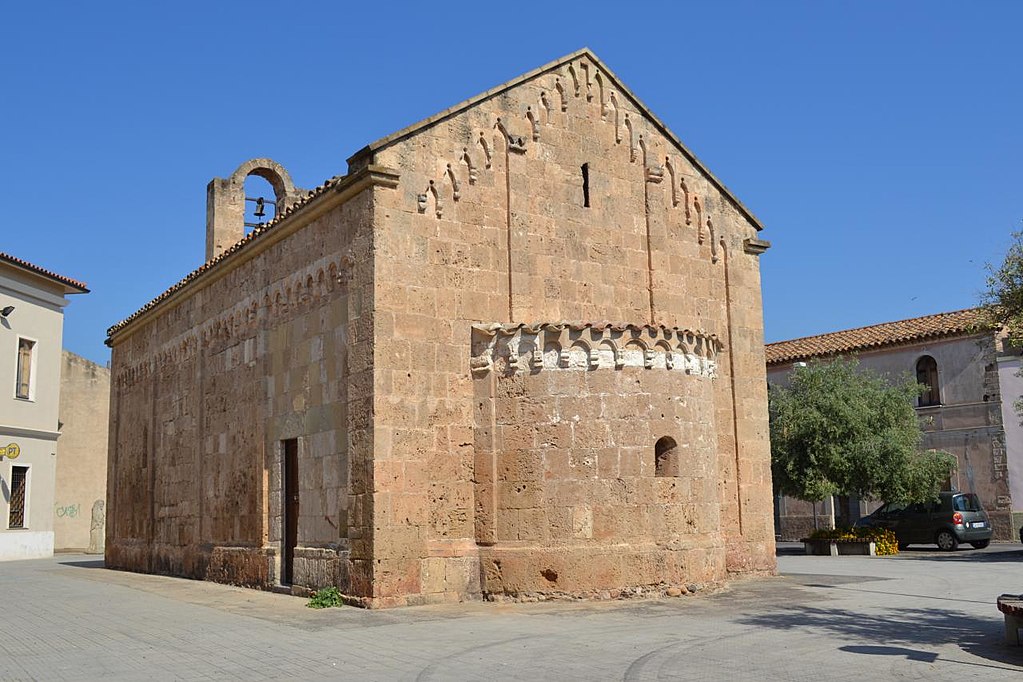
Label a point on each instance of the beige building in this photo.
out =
(32, 304)
(516, 350)
(81, 478)
(967, 411)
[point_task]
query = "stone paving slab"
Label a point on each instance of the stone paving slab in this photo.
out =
(920, 615)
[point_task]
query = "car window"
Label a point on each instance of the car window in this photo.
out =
(968, 503)
(892, 508)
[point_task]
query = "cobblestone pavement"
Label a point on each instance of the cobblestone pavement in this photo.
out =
(924, 614)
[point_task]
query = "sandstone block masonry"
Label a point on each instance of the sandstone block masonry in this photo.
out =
(379, 390)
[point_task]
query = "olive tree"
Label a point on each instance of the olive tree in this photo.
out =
(1002, 300)
(837, 429)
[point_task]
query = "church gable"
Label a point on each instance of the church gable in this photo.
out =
(583, 200)
(549, 96)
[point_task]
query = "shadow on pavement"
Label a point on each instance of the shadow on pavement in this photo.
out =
(987, 556)
(89, 563)
(789, 549)
(895, 629)
(910, 654)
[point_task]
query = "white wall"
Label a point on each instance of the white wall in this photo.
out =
(1012, 389)
(31, 424)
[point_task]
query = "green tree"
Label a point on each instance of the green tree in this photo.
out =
(1002, 301)
(839, 430)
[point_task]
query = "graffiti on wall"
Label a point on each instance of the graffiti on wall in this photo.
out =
(70, 511)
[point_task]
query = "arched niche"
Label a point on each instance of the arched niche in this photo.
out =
(666, 457)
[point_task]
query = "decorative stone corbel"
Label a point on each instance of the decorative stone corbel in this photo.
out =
(479, 364)
(755, 247)
(655, 174)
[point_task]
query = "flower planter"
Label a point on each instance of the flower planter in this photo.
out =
(826, 547)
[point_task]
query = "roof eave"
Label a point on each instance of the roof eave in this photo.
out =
(68, 285)
(869, 348)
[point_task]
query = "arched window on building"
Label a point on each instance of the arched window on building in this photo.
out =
(666, 457)
(927, 374)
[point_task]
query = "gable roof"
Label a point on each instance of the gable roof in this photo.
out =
(71, 286)
(362, 160)
(957, 323)
(366, 152)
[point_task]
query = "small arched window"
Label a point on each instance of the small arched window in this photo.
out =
(666, 457)
(927, 374)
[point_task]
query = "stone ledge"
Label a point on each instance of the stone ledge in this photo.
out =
(509, 348)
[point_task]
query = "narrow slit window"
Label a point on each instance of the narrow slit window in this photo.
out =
(24, 378)
(586, 185)
(19, 489)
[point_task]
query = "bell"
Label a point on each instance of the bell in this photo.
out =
(259, 208)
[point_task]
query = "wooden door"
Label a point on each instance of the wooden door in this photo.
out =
(290, 521)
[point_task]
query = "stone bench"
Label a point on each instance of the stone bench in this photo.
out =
(829, 547)
(1012, 606)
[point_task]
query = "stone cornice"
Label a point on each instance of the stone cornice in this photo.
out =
(509, 348)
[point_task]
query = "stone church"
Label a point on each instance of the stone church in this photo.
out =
(516, 351)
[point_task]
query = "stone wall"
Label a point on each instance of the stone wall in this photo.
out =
(80, 484)
(276, 344)
(558, 198)
(570, 497)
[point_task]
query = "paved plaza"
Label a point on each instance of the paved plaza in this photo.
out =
(921, 615)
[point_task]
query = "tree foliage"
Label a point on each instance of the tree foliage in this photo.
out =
(840, 430)
(1002, 300)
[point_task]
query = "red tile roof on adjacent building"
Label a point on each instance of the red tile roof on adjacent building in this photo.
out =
(875, 336)
(25, 265)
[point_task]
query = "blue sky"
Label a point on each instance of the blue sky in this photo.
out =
(879, 142)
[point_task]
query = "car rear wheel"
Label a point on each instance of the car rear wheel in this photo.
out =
(980, 544)
(947, 541)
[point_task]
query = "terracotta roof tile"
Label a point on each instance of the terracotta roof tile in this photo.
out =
(67, 281)
(876, 336)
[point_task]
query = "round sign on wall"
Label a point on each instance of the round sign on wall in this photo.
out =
(12, 451)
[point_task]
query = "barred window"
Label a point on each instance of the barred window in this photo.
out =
(19, 486)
